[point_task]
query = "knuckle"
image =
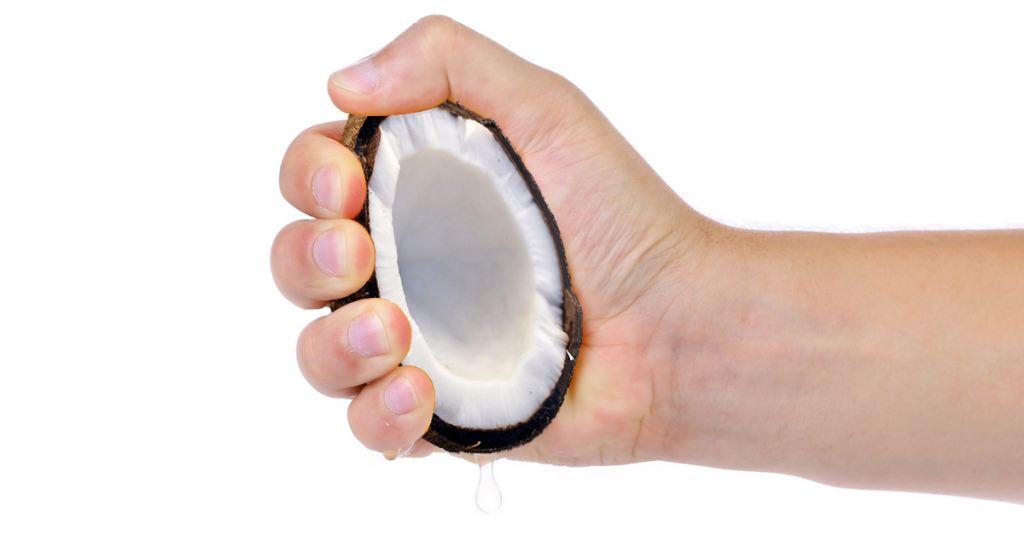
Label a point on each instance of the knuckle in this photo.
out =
(295, 148)
(326, 355)
(305, 350)
(295, 154)
(284, 242)
(437, 29)
(315, 365)
(278, 256)
(308, 347)
(436, 24)
(371, 428)
(562, 83)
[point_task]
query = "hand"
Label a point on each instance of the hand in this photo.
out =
(888, 361)
(623, 228)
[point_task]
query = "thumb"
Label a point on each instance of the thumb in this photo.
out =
(438, 59)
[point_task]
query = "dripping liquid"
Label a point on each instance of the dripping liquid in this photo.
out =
(488, 496)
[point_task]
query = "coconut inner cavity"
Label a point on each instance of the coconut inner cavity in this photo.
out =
(464, 265)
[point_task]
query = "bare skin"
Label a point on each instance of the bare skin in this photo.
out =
(884, 361)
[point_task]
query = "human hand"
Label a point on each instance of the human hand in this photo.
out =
(886, 360)
(623, 229)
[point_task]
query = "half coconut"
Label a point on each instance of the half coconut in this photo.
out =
(468, 249)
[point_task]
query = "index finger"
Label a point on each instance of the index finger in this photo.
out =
(322, 177)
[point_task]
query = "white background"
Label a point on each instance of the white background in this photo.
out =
(147, 375)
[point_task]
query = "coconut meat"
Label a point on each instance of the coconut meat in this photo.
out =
(463, 250)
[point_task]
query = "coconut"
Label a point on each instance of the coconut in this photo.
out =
(468, 249)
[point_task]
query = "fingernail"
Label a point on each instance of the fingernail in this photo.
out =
(329, 252)
(367, 337)
(360, 78)
(327, 189)
(400, 397)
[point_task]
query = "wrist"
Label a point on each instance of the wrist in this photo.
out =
(741, 356)
(673, 342)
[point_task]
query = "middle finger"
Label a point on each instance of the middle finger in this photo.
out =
(314, 261)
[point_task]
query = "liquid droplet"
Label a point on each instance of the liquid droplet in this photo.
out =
(488, 496)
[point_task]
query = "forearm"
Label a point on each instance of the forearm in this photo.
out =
(888, 361)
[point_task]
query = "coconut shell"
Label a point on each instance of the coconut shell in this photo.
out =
(362, 136)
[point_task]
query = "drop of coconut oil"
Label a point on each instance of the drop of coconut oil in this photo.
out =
(488, 496)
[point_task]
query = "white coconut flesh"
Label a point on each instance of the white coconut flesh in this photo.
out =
(463, 249)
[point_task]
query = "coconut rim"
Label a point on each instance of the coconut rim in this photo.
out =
(362, 136)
